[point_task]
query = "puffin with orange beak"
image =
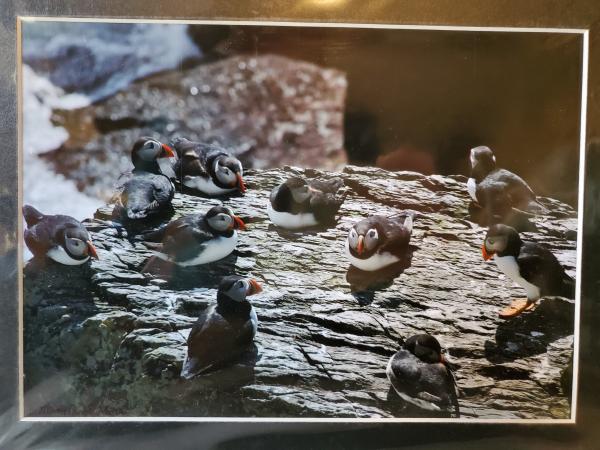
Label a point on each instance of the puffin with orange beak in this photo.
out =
(207, 168)
(422, 377)
(223, 332)
(146, 191)
(197, 239)
(377, 241)
(528, 264)
(60, 238)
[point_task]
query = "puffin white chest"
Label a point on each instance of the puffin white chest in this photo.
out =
(59, 254)
(472, 188)
(509, 266)
(254, 321)
(291, 221)
(213, 250)
(205, 185)
(374, 262)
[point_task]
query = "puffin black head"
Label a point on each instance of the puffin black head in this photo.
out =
(146, 151)
(228, 173)
(425, 347)
(222, 221)
(483, 162)
(501, 239)
(236, 288)
(76, 242)
(365, 237)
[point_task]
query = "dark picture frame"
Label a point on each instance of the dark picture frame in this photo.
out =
(118, 433)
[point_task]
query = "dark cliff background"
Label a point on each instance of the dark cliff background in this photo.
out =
(419, 99)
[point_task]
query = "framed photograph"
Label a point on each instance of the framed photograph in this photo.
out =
(346, 232)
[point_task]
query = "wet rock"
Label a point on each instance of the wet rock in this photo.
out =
(268, 110)
(321, 349)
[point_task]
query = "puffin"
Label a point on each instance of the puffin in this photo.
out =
(530, 265)
(421, 376)
(224, 331)
(197, 239)
(297, 203)
(60, 238)
(146, 191)
(207, 168)
(378, 241)
(498, 191)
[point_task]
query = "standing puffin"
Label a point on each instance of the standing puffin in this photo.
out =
(420, 375)
(60, 238)
(224, 331)
(530, 265)
(377, 241)
(207, 168)
(498, 191)
(197, 239)
(297, 203)
(145, 191)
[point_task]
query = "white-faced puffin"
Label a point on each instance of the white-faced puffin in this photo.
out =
(498, 191)
(421, 376)
(530, 265)
(297, 203)
(198, 238)
(224, 331)
(60, 238)
(145, 191)
(208, 168)
(378, 241)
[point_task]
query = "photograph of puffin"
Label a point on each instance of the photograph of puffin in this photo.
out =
(197, 239)
(297, 203)
(378, 241)
(528, 264)
(146, 191)
(223, 332)
(498, 191)
(207, 168)
(420, 375)
(61, 238)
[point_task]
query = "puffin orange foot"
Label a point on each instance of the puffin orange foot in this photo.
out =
(516, 307)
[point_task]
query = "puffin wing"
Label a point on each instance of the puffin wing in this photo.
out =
(325, 206)
(327, 186)
(31, 215)
(163, 190)
(215, 341)
(38, 243)
(398, 234)
(405, 373)
(183, 239)
(539, 266)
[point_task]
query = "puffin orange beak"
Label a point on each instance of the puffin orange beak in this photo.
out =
(92, 250)
(241, 184)
(255, 287)
(238, 223)
(167, 151)
(361, 246)
(486, 255)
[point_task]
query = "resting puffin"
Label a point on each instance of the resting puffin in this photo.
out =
(207, 168)
(145, 191)
(224, 331)
(530, 265)
(60, 238)
(198, 238)
(297, 203)
(420, 375)
(498, 191)
(377, 241)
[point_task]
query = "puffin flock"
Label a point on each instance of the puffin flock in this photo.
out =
(419, 373)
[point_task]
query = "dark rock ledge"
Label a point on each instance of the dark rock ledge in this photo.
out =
(115, 345)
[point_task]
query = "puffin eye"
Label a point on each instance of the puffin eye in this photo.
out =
(372, 233)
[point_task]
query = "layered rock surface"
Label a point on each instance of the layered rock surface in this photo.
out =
(106, 340)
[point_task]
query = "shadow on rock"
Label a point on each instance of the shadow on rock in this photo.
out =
(296, 235)
(400, 408)
(364, 285)
(484, 218)
(530, 333)
(205, 275)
